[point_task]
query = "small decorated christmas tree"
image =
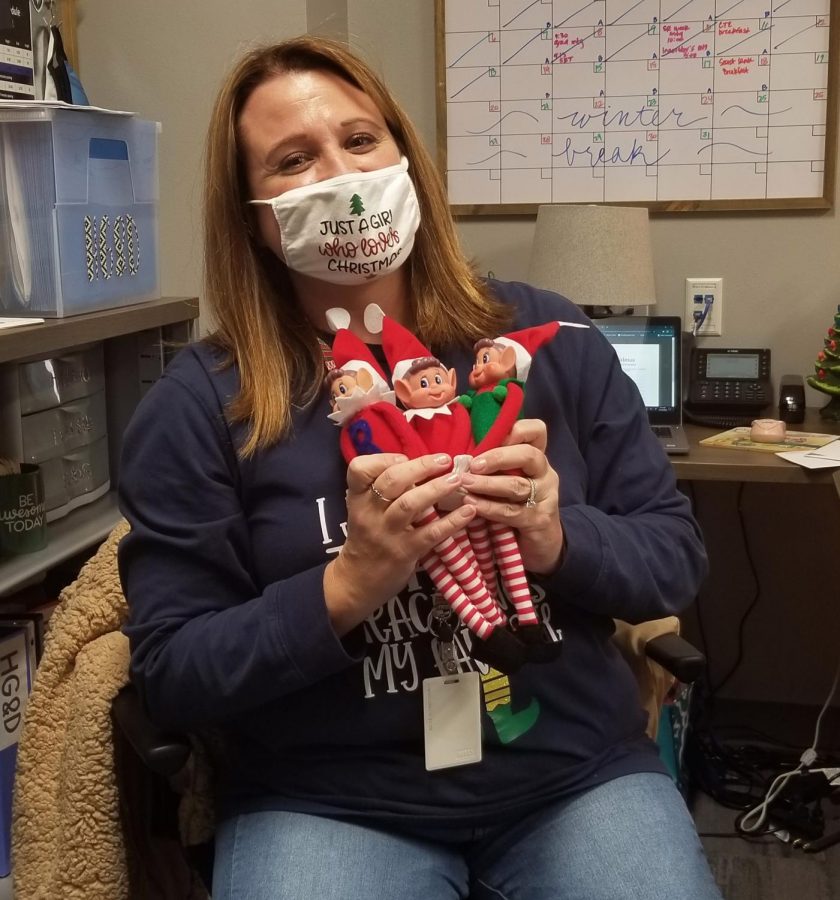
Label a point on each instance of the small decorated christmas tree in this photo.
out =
(827, 368)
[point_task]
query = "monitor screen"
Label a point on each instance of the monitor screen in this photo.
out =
(648, 348)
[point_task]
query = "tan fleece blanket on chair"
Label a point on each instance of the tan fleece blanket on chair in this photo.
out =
(66, 836)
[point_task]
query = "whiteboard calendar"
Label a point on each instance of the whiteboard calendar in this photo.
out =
(670, 103)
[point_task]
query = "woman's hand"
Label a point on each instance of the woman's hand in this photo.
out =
(386, 495)
(528, 502)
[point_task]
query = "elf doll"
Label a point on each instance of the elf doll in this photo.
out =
(495, 402)
(363, 404)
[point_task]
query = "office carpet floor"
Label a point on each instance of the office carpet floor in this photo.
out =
(766, 868)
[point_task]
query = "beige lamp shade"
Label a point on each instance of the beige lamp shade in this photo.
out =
(594, 255)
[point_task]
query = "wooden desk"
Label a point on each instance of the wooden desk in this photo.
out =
(716, 464)
(768, 587)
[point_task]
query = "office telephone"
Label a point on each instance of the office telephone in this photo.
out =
(727, 387)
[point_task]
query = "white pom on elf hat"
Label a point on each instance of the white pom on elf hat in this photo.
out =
(526, 342)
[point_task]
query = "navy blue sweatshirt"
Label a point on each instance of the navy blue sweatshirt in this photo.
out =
(223, 572)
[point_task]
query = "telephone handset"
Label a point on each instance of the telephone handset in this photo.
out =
(727, 387)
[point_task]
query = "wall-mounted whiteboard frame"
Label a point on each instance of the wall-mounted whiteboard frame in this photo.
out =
(592, 125)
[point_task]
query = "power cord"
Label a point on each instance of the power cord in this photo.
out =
(701, 314)
(816, 785)
(827, 703)
(755, 597)
(714, 689)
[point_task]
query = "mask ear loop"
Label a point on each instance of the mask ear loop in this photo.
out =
(249, 219)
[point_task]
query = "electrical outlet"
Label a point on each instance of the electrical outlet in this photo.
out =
(697, 292)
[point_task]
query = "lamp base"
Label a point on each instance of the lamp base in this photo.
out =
(607, 312)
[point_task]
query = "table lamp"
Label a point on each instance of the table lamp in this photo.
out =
(598, 256)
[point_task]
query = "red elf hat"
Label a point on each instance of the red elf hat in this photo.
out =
(526, 343)
(352, 353)
(401, 348)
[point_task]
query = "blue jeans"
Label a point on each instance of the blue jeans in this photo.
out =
(629, 839)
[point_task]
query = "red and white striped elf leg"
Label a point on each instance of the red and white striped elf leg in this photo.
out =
(460, 563)
(451, 592)
(479, 537)
(509, 561)
(473, 580)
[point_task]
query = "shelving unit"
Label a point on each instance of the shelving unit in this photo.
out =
(120, 329)
(61, 334)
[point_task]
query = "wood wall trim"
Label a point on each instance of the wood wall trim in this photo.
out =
(67, 26)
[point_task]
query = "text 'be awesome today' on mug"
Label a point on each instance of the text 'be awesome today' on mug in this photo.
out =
(23, 519)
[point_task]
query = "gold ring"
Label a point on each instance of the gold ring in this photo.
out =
(378, 494)
(531, 502)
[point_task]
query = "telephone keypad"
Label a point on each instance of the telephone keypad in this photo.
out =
(717, 391)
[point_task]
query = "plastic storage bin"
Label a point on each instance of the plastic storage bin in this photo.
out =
(44, 383)
(75, 478)
(63, 428)
(78, 210)
(53, 412)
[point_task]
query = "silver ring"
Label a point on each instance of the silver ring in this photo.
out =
(531, 502)
(378, 494)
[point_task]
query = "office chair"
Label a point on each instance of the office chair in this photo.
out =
(158, 865)
(159, 755)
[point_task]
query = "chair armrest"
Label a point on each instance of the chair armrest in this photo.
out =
(164, 752)
(678, 656)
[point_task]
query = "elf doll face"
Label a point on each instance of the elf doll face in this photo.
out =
(427, 388)
(348, 382)
(492, 364)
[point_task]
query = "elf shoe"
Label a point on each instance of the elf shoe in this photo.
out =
(539, 648)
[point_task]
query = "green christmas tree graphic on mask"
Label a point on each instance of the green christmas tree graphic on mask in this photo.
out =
(356, 205)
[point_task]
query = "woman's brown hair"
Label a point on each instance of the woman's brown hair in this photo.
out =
(259, 324)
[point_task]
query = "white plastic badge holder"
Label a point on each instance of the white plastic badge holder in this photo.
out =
(452, 720)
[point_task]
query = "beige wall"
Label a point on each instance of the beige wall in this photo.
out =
(781, 281)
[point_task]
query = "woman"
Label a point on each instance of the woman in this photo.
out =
(273, 590)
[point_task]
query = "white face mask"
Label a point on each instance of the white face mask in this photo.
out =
(351, 228)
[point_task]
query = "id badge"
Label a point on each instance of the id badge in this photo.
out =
(452, 720)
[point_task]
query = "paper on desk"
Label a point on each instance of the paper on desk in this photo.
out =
(16, 322)
(826, 457)
(830, 451)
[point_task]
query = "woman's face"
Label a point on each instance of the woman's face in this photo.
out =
(302, 127)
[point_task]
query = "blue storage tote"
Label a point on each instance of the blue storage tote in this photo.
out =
(79, 210)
